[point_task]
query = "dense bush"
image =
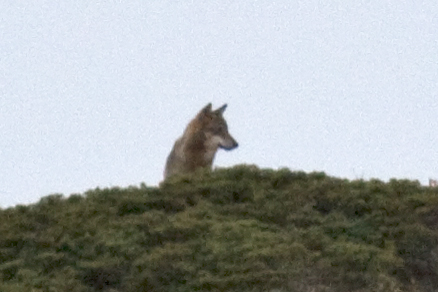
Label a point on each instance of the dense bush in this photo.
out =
(237, 229)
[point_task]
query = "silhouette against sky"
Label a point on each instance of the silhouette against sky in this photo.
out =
(94, 94)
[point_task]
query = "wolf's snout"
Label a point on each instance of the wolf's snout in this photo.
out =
(230, 146)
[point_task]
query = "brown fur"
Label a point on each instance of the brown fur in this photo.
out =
(197, 147)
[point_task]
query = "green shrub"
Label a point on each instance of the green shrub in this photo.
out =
(236, 229)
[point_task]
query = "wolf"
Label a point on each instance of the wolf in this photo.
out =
(197, 147)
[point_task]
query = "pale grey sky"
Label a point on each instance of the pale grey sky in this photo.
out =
(93, 94)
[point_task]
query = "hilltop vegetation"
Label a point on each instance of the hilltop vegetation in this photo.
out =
(237, 229)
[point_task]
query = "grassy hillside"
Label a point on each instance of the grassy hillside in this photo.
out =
(237, 229)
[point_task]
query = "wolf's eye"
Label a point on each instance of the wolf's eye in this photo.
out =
(220, 128)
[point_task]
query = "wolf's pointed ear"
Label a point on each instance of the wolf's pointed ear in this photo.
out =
(221, 109)
(206, 110)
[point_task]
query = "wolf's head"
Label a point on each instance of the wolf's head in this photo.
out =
(215, 128)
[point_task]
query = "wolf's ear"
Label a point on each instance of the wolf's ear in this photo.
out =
(221, 109)
(206, 110)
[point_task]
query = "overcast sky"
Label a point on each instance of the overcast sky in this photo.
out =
(94, 94)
